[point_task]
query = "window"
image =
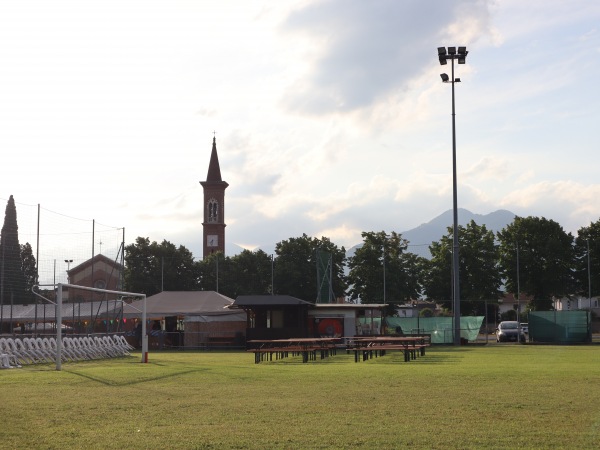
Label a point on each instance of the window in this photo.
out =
(100, 284)
(213, 210)
(276, 318)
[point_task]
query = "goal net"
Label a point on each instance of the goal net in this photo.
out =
(81, 311)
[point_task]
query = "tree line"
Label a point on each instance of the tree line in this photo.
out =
(533, 256)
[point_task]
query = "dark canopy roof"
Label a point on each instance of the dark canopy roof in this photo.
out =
(179, 303)
(244, 301)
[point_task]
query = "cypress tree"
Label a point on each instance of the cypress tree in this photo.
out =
(13, 288)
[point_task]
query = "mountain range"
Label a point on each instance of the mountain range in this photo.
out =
(420, 238)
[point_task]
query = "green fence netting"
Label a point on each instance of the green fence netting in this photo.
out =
(440, 328)
(561, 327)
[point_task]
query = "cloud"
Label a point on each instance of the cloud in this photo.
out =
(569, 203)
(366, 51)
(519, 20)
(486, 168)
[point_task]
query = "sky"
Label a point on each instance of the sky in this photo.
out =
(330, 116)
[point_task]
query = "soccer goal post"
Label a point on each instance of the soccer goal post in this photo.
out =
(94, 307)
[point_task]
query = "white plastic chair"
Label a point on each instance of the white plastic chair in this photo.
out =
(118, 345)
(47, 346)
(110, 347)
(64, 355)
(45, 350)
(29, 344)
(72, 349)
(7, 355)
(123, 342)
(81, 345)
(99, 346)
(91, 348)
(29, 348)
(16, 348)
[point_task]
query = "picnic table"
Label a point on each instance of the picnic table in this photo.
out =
(368, 347)
(265, 349)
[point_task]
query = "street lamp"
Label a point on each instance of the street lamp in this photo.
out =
(383, 248)
(68, 261)
(460, 55)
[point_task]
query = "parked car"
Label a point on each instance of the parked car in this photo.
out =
(508, 331)
(525, 328)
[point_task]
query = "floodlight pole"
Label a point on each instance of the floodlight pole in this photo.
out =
(455, 259)
(452, 54)
(518, 296)
(383, 255)
(589, 274)
(58, 315)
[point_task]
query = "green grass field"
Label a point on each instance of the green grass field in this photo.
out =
(495, 396)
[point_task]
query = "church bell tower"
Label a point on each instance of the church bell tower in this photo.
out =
(214, 206)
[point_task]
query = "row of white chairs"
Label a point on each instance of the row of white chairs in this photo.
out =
(15, 352)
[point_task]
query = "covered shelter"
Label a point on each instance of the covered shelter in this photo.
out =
(193, 319)
(284, 317)
(274, 316)
(346, 319)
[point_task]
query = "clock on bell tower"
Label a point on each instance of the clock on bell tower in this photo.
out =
(213, 224)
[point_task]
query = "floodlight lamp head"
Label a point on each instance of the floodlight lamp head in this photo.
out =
(452, 50)
(445, 77)
(442, 55)
(457, 80)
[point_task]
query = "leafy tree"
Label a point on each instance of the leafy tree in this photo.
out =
(546, 257)
(438, 271)
(28, 266)
(214, 274)
(151, 267)
(295, 268)
(479, 278)
(426, 312)
(587, 243)
(253, 273)
(402, 270)
(13, 287)
(243, 274)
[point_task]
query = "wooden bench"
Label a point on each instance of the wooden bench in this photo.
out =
(266, 353)
(282, 349)
(377, 347)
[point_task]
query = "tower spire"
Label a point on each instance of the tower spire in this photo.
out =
(214, 206)
(214, 170)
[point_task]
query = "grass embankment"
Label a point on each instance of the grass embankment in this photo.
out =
(508, 396)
